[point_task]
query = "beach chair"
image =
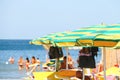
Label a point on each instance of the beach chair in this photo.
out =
(44, 76)
(48, 66)
(29, 74)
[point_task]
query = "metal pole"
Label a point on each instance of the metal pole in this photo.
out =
(116, 56)
(83, 78)
(67, 58)
(104, 61)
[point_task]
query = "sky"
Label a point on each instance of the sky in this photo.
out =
(30, 19)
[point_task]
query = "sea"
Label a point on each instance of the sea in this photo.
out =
(16, 48)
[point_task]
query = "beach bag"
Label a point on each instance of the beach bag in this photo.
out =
(55, 52)
(86, 60)
(94, 51)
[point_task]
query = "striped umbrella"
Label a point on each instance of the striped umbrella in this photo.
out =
(65, 41)
(45, 39)
(70, 38)
(65, 38)
(105, 37)
(100, 36)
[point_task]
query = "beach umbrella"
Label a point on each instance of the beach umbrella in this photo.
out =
(81, 37)
(45, 39)
(39, 41)
(60, 37)
(70, 38)
(102, 38)
(65, 41)
(106, 37)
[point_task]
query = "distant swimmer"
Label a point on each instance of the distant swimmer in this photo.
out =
(11, 60)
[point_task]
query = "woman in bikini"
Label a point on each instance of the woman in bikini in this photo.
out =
(21, 63)
(27, 63)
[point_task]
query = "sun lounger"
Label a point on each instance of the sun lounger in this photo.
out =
(44, 76)
(30, 72)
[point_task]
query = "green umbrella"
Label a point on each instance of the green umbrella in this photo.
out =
(65, 41)
(100, 36)
(106, 37)
(45, 39)
(70, 38)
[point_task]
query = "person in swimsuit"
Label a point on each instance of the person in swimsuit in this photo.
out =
(27, 63)
(70, 60)
(21, 63)
(11, 60)
(63, 64)
(38, 62)
(33, 62)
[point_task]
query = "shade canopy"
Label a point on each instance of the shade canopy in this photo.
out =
(70, 38)
(46, 40)
(108, 36)
(97, 35)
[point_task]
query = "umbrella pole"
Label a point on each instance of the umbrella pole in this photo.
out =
(104, 61)
(116, 56)
(83, 78)
(67, 58)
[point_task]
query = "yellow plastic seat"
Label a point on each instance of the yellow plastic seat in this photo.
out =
(44, 76)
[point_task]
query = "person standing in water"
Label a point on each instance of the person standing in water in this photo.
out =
(27, 63)
(38, 62)
(21, 63)
(33, 63)
(11, 60)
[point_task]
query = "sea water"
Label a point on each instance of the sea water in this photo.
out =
(17, 48)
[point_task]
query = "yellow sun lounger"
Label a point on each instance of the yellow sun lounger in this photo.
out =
(112, 71)
(44, 76)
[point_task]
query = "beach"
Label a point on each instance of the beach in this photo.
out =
(11, 72)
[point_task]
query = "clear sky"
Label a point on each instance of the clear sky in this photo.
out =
(30, 19)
